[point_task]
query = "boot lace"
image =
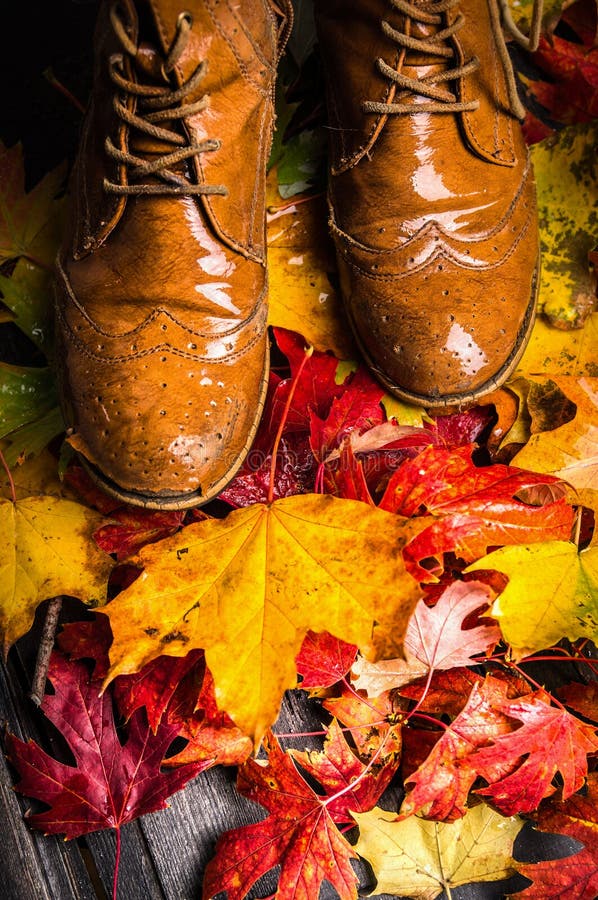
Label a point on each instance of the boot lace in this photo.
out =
(157, 104)
(441, 99)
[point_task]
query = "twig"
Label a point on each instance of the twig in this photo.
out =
(44, 650)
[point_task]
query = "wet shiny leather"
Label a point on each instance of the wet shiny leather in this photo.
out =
(161, 301)
(433, 214)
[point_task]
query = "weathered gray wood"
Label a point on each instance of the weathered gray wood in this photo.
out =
(32, 867)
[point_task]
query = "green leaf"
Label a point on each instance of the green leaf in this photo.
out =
(27, 295)
(302, 166)
(33, 437)
(29, 223)
(26, 394)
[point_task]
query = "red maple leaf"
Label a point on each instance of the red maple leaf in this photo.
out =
(299, 835)
(323, 659)
(348, 479)
(316, 388)
(583, 698)
(210, 733)
(88, 640)
(477, 507)
(441, 784)
(550, 740)
(357, 409)
(373, 722)
(111, 783)
(178, 691)
(159, 684)
(348, 783)
(571, 95)
(133, 528)
(574, 877)
(445, 694)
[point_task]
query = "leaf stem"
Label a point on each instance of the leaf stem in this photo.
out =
(116, 864)
(577, 531)
(283, 421)
(13, 492)
(44, 651)
(361, 776)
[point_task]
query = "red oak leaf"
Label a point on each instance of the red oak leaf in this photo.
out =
(550, 740)
(299, 835)
(111, 783)
(574, 877)
(441, 785)
(323, 659)
(349, 784)
(477, 507)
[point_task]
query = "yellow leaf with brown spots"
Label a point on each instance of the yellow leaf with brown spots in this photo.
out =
(46, 549)
(566, 168)
(248, 588)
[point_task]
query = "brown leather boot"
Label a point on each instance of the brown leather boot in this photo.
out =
(432, 198)
(161, 287)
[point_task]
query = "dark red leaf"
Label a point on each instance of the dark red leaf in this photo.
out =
(111, 783)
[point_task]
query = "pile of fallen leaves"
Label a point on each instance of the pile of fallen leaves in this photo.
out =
(407, 571)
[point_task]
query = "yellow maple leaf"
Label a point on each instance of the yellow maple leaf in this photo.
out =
(46, 550)
(570, 451)
(418, 858)
(552, 594)
(247, 589)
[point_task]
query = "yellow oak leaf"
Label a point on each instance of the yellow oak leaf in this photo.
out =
(248, 588)
(419, 858)
(552, 594)
(46, 549)
(570, 451)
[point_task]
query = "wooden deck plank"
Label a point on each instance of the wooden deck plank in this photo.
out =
(32, 866)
